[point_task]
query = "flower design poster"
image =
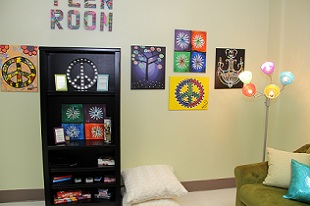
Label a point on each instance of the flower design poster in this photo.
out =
(190, 49)
(19, 68)
(148, 65)
(189, 93)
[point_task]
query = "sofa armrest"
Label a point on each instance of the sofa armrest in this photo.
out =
(251, 173)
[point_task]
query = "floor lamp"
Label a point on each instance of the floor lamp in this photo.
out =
(271, 91)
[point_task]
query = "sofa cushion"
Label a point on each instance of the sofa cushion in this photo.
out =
(259, 194)
(279, 166)
(300, 183)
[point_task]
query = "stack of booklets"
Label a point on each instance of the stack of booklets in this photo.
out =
(59, 179)
(71, 196)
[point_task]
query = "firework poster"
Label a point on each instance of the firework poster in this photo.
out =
(74, 131)
(148, 65)
(94, 131)
(94, 113)
(189, 93)
(19, 71)
(190, 51)
(72, 113)
(229, 63)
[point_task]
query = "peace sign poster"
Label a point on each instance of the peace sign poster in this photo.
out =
(19, 68)
(189, 93)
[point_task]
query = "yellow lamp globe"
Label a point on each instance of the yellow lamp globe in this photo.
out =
(272, 91)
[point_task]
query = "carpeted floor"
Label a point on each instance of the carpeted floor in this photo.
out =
(222, 197)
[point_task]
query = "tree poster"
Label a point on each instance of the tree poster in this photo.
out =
(148, 64)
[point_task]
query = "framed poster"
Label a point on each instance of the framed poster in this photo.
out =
(59, 134)
(103, 82)
(61, 82)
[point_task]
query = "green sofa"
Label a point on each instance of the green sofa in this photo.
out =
(251, 191)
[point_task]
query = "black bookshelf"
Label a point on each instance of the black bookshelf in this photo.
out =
(79, 158)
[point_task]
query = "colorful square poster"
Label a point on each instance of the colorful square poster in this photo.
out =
(94, 112)
(94, 131)
(190, 51)
(72, 113)
(189, 93)
(74, 131)
(19, 68)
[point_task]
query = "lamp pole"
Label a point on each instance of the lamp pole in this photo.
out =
(267, 104)
(271, 91)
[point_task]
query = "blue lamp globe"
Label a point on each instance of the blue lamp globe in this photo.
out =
(286, 78)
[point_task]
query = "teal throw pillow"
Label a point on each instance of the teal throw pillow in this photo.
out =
(299, 188)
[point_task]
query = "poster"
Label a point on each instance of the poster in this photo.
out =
(189, 93)
(190, 51)
(229, 64)
(148, 65)
(19, 68)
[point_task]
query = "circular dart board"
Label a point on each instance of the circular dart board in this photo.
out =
(77, 75)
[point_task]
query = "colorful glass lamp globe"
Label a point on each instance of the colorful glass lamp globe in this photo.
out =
(267, 68)
(272, 91)
(245, 77)
(249, 90)
(286, 78)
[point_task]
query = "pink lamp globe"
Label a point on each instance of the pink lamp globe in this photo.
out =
(267, 68)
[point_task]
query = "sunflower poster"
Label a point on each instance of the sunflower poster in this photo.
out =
(190, 51)
(19, 68)
(189, 93)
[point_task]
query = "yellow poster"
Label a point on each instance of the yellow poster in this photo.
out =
(189, 93)
(19, 65)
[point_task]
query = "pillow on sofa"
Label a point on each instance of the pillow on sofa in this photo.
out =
(279, 166)
(151, 182)
(299, 188)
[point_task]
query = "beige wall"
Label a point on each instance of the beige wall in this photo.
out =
(199, 144)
